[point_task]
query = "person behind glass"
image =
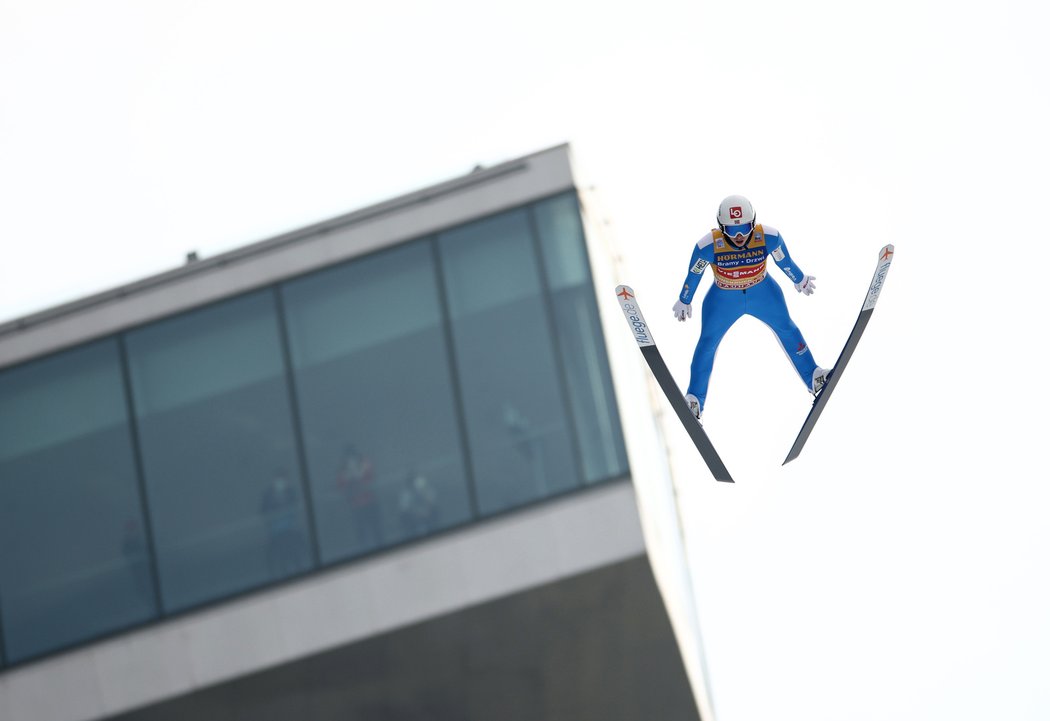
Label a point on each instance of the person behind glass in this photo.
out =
(528, 444)
(737, 251)
(357, 480)
(417, 504)
(279, 508)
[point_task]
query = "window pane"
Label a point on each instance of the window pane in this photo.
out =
(376, 402)
(519, 437)
(73, 561)
(580, 338)
(225, 495)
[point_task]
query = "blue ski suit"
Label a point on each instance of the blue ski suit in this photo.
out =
(741, 287)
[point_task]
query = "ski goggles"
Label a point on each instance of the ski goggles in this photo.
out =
(735, 230)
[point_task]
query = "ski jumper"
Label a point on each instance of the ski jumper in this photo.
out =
(741, 287)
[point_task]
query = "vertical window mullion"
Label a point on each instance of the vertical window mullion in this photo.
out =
(454, 372)
(140, 476)
(297, 429)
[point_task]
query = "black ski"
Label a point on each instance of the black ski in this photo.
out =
(885, 257)
(629, 305)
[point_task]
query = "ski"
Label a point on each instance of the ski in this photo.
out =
(883, 267)
(629, 305)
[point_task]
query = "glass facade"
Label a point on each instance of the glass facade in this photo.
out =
(373, 376)
(219, 457)
(512, 396)
(579, 337)
(304, 424)
(74, 561)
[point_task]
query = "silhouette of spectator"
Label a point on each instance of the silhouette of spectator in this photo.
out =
(357, 480)
(284, 541)
(417, 505)
(528, 444)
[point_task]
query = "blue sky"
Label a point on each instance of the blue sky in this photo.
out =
(896, 569)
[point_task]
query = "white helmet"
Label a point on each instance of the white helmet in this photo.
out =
(736, 211)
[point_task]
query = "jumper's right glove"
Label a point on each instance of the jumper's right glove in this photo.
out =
(682, 310)
(806, 286)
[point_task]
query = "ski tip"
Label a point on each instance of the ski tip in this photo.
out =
(885, 258)
(633, 314)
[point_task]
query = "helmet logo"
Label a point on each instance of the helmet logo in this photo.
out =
(736, 212)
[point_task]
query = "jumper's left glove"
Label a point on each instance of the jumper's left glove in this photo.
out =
(806, 286)
(682, 310)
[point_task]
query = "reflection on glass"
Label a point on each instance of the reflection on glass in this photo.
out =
(211, 402)
(375, 400)
(590, 386)
(73, 556)
(520, 441)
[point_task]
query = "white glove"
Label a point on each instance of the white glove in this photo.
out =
(682, 310)
(806, 286)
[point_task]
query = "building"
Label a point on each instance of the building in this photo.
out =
(376, 468)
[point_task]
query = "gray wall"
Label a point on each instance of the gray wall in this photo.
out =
(595, 646)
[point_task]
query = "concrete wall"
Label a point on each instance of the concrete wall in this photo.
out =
(594, 647)
(647, 422)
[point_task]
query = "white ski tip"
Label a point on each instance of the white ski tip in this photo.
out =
(885, 258)
(634, 316)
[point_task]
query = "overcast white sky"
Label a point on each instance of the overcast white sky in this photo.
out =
(899, 567)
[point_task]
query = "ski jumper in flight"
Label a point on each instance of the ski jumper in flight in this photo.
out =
(737, 251)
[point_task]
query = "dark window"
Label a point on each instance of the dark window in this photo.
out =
(220, 463)
(519, 437)
(579, 332)
(73, 556)
(376, 399)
